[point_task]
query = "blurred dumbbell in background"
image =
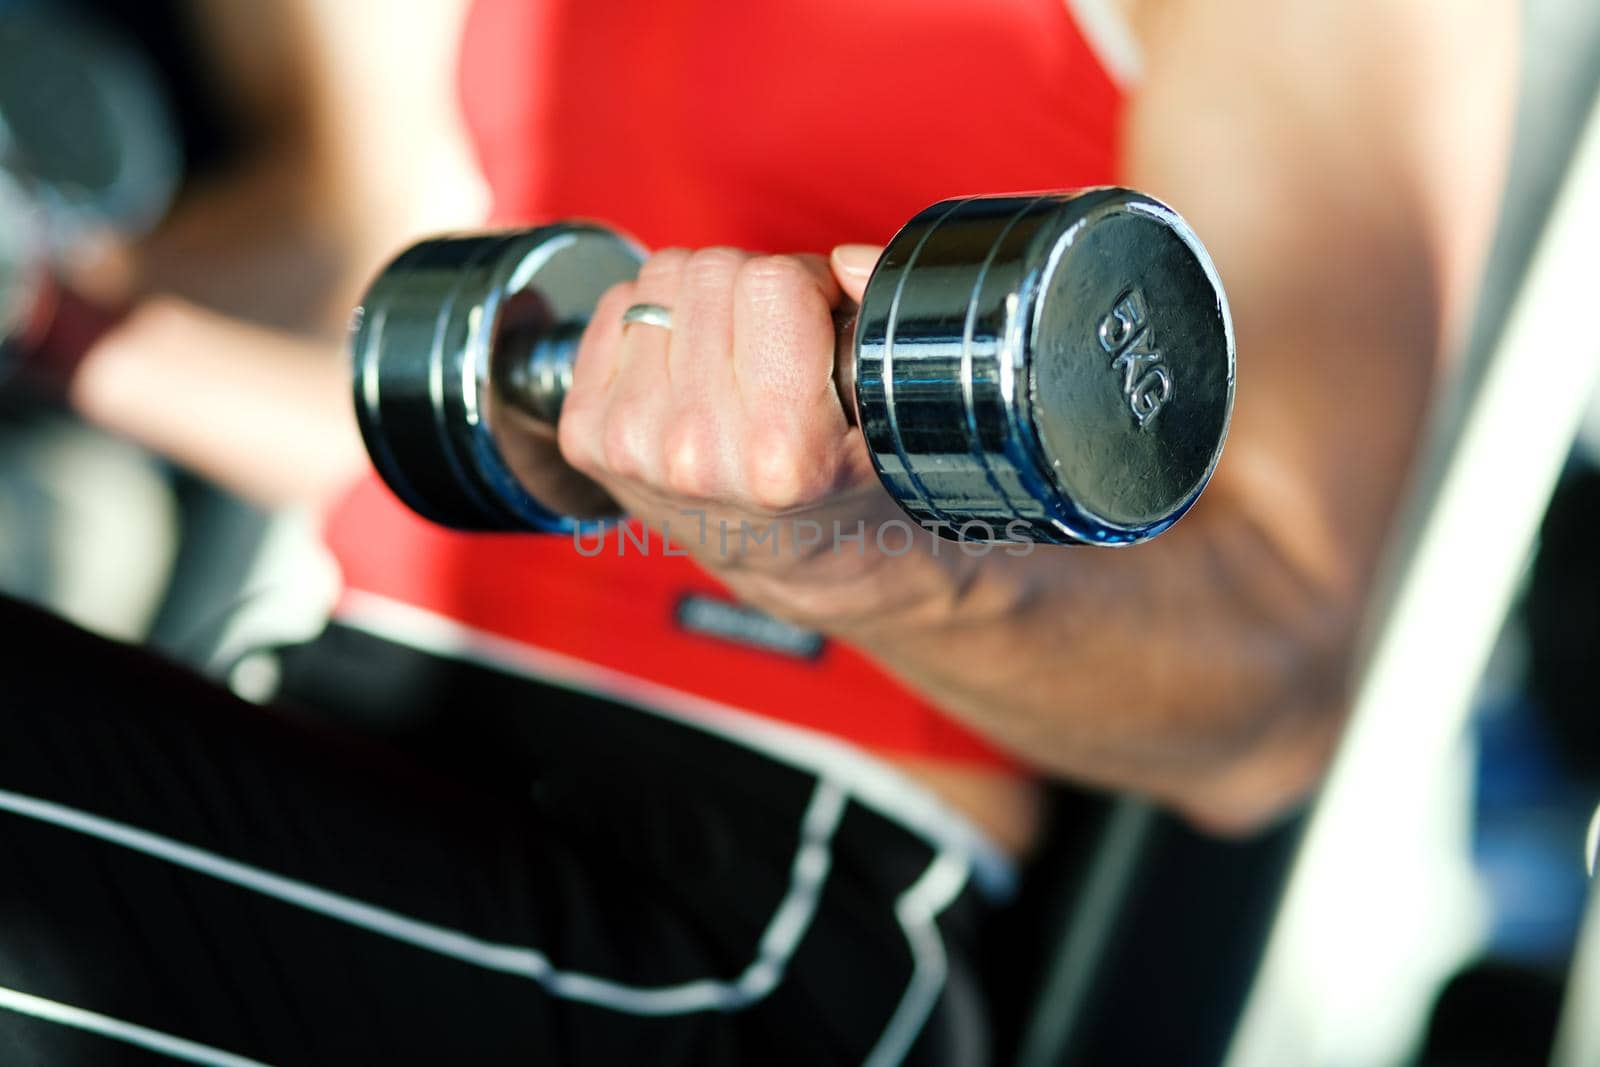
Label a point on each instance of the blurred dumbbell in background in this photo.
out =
(89, 156)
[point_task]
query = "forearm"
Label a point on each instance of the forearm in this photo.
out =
(1348, 215)
(1201, 668)
(328, 188)
(265, 414)
(1205, 668)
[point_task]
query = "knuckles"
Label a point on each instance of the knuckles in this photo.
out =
(709, 273)
(572, 431)
(614, 301)
(661, 271)
(785, 472)
(626, 447)
(775, 280)
(690, 457)
(614, 426)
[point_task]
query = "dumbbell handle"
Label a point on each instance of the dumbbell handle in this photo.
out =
(534, 368)
(534, 365)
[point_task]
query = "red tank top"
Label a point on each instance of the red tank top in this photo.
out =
(778, 125)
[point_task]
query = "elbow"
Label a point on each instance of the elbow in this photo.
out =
(1273, 750)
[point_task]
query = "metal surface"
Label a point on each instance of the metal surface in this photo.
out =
(648, 315)
(1055, 368)
(447, 321)
(1050, 368)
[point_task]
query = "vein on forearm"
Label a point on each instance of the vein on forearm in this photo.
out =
(1123, 667)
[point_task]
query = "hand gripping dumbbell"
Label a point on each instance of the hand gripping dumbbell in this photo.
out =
(1055, 368)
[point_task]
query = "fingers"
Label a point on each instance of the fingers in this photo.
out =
(784, 342)
(607, 419)
(638, 407)
(593, 371)
(702, 328)
(852, 267)
(599, 347)
(734, 403)
(783, 330)
(701, 432)
(657, 283)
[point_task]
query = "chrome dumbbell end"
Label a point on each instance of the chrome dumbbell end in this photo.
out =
(454, 323)
(1055, 368)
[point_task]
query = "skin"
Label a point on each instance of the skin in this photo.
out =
(1349, 213)
(1342, 161)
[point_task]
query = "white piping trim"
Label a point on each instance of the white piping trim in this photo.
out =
(1591, 842)
(130, 1033)
(918, 910)
(1105, 27)
(870, 782)
(812, 861)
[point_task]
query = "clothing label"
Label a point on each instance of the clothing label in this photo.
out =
(747, 626)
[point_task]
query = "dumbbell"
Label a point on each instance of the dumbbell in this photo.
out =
(1055, 368)
(88, 145)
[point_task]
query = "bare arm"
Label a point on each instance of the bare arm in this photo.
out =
(1342, 159)
(354, 145)
(265, 413)
(1343, 162)
(231, 363)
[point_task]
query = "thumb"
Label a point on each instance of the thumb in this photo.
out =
(852, 265)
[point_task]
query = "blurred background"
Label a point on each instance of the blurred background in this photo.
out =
(1430, 909)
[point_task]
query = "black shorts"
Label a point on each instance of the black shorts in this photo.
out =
(487, 870)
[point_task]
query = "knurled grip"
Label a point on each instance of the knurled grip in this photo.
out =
(1056, 368)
